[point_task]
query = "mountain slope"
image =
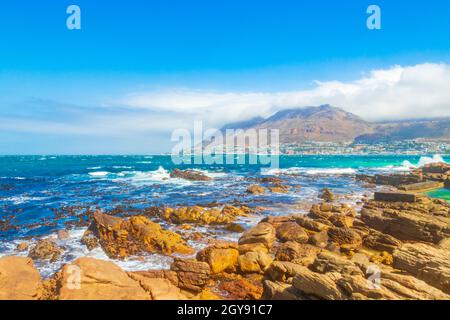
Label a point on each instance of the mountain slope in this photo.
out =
(330, 124)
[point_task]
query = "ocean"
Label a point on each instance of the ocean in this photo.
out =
(40, 195)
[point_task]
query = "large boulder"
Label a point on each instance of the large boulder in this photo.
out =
(262, 233)
(412, 222)
(254, 262)
(381, 242)
(120, 238)
(92, 279)
(322, 286)
(191, 175)
(192, 275)
(45, 250)
(346, 238)
(19, 279)
(200, 215)
(291, 231)
(303, 254)
(255, 189)
(330, 262)
(220, 257)
(428, 263)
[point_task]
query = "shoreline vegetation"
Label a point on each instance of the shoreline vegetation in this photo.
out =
(393, 245)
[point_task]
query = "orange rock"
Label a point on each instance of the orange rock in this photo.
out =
(255, 189)
(220, 257)
(120, 238)
(292, 231)
(19, 279)
(254, 262)
(243, 289)
(92, 279)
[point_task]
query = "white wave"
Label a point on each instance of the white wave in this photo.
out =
(23, 199)
(428, 160)
(94, 168)
(97, 174)
(144, 162)
(308, 171)
(212, 174)
(331, 171)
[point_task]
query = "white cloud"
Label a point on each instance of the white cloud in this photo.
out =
(420, 91)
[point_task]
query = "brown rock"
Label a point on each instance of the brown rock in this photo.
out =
(303, 254)
(90, 240)
(262, 233)
(192, 275)
(313, 225)
(409, 224)
(319, 239)
(62, 234)
(191, 175)
(45, 250)
(220, 257)
(381, 242)
(322, 286)
(252, 247)
(243, 289)
(330, 262)
(19, 279)
(425, 262)
(254, 262)
(92, 279)
(120, 238)
(22, 246)
(327, 195)
(279, 291)
(199, 215)
(291, 231)
(346, 238)
(255, 189)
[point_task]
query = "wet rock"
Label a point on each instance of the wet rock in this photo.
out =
(62, 234)
(254, 262)
(279, 188)
(120, 238)
(327, 195)
(19, 279)
(192, 275)
(428, 263)
(220, 257)
(45, 250)
(22, 247)
(90, 240)
(262, 233)
(291, 231)
(303, 254)
(199, 215)
(191, 175)
(255, 189)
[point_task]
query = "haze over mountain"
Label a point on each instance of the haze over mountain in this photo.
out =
(330, 124)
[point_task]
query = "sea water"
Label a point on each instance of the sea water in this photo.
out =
(34, 190)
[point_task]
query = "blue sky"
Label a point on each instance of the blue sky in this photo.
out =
(139, 60)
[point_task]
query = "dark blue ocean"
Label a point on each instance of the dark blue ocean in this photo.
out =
(40, 195)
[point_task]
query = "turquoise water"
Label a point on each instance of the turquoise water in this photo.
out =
(441, 194)
(42, 194)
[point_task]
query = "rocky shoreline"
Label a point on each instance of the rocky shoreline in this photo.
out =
(395, 247)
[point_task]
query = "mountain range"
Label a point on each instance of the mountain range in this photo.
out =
(330, 124)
